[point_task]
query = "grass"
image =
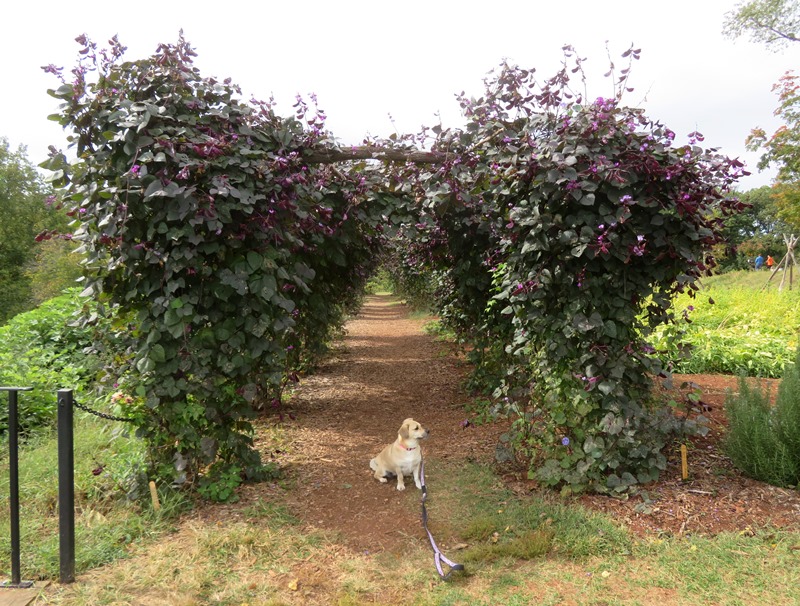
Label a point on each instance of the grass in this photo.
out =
(106, 524)
(517, 549)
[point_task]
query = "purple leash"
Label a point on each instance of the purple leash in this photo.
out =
(438, 556)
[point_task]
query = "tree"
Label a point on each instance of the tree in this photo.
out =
(756, 230)
(24, 212)
(774, 23)
(54, 267)
(782, 149)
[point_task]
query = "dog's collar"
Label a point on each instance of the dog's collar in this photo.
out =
(404, 447)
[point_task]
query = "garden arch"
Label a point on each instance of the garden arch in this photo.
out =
(230, 241)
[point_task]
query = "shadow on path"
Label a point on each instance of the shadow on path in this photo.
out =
(387, 369)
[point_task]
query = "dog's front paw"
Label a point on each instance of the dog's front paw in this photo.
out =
(401, 487)
(419, 485)
(384, 480)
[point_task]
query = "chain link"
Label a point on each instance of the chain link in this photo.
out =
(102, 415)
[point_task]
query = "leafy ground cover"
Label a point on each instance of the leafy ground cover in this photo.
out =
(45, 350)
(740, 323)
(327, 533)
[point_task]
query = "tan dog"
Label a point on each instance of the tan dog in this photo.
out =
(403, 456)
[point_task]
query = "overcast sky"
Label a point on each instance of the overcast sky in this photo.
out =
(379, 67)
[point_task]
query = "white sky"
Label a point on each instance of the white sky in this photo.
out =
(369, 60)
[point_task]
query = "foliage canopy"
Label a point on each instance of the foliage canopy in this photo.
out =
(25, 210)
(782, 149)
(771, 22)
(558, 229)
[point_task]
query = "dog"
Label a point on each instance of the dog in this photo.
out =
(402, 457)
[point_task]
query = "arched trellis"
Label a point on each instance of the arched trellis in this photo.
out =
(218, 224)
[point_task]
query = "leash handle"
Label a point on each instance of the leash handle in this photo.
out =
(438, 556)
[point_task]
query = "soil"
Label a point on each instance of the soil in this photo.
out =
(387, 369)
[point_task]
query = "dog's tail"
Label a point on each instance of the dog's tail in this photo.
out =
(373, 465)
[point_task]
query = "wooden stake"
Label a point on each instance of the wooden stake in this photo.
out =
(154, 496)
(684, 463)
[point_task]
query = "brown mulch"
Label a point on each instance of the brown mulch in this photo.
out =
(387, 369)
(716, 497)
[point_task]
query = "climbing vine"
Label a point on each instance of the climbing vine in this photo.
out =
(231, 256)
(562, 227)
(233, 241)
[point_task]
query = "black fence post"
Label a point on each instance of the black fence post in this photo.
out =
(66, 487)
(13, 485)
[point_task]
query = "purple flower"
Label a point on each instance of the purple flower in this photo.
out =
(135, 169)
(638, 249)
(565, 441)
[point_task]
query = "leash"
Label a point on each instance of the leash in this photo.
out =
(438, 556)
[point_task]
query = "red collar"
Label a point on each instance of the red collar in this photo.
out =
(404, 447)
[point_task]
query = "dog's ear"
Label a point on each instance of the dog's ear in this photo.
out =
(403, 431)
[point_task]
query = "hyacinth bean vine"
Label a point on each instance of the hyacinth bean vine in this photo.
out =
(231, 245)
(558, 230)
(205, 228)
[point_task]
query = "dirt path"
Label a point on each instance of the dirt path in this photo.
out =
(386, 370)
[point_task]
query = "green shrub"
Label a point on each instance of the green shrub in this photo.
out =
(44, 349)
(380, 282)
(787, 412)
(764, 440)
(735, 327)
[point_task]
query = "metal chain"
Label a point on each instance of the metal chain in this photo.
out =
(102, 415)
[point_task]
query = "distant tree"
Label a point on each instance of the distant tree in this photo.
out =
(771, 22)
(787, 198)
(776, 23)
(782, 149)
(54, 266)
(760, 219)
(23, 214)
(757, 229)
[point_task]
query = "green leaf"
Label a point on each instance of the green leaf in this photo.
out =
(157, 353)
(145, 365)
(254, 260)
